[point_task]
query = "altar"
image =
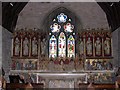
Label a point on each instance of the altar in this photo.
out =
(68, 79)
(63, 80)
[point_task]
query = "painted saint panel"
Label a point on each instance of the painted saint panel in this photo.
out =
(26, 45)
(98, 46)
(17, 46)
(62, 45)
(53, 47)
(43, 46)
(81, 46)
(71, 46)
(34, 46)
(107, 46)
(89, 46)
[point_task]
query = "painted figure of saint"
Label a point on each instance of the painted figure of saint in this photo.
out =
(34, 46)
(81, 47)
(62, 45)
(71, 46)
(89, 46)
(18, 65)
(53, 47)
(17, 46)
(107, 46)
(26, 46)
(98, 46)
(43, 46)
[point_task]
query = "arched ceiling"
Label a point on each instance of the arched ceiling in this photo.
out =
(11, 10)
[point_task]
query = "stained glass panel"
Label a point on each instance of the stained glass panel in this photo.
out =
(62, 18)
(55, 27)
(68, 27)
(52, 47)
(71, 46)
(62, 45)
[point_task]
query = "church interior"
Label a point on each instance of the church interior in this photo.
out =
(52, 45)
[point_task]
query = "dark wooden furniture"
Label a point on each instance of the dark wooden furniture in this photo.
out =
(21, 86)
(97, 87)
(104, 86)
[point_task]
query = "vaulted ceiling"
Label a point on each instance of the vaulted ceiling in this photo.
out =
(11, 10)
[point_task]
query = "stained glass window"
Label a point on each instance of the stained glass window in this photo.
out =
(71, 46)
(52, 47)
(62, 45)
(61, 41)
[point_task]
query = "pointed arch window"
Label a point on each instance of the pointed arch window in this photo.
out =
(71, 46)
(52, 46)
(61, 36)
(62, 45)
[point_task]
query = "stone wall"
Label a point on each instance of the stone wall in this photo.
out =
(0, 12)
(116, 47)
(0, 36)
(119, 46)
(6, 51)
(0, 46)
(90, 14)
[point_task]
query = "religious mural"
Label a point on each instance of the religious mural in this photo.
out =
(24, 64)
(103, 78)
(98, 64)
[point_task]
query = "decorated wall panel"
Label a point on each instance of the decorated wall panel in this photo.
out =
(31, 47)
(102, 77)
(95, 44)
(98, 64)
(25, 44)
(24, 64)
